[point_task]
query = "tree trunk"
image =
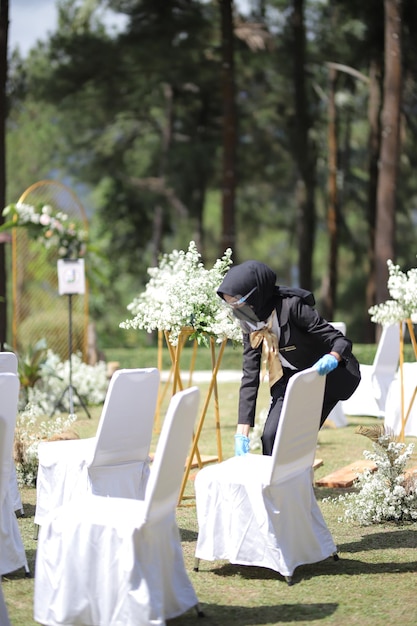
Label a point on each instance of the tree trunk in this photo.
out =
(329, 303)
(166, 138)
(304, 153)
(4, 28)
(228, 235)
(390, 144)
(374, 109)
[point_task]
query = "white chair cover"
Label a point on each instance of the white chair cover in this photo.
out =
(370, 396)
(261, 510)
(392, 421)
(12, 551)
(116, 561)
(337, 415)
(8, 363)
(339, 326)
(15, 492)
(113, 463)
(4, 618)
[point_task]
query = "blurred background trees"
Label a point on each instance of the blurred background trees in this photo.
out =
(283, 128)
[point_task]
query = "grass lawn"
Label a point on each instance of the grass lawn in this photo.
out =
(373, 583)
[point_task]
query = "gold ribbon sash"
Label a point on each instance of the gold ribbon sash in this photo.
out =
(270, 352)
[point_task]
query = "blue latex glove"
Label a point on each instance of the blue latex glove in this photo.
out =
(241, 445)
(326, 364)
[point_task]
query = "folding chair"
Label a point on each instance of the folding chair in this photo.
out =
(370, 396)
(12, 552)
(8, 363)
(113, 560)
(113, 463)
(261, 510)
(337, 416)
(4, 617)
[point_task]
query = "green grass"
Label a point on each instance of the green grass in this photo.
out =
(148, 357)
(373, 583)
(232, 358)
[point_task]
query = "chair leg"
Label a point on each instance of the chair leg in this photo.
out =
(199, 612)
(335, 556)
(36, 531)
(196, 564)
(289, 580)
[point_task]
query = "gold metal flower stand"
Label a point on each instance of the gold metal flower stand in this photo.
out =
(405, 414)
(175, 383)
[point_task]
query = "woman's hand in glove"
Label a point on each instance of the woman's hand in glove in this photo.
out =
(241, 445)
(326, 364)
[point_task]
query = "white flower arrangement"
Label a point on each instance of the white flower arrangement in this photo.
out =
(28, 435)
(388, 494)
(90, 381)
(403, 291)
(53, 229)
(180, 294)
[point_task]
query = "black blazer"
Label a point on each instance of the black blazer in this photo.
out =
(305, 338)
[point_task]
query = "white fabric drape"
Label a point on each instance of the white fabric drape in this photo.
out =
(12, 551)
(9, 363)
(247, 521)
(129, 574)
(4, 617)
(106, 561)
(369, 398)
(113, 463)
(393, 413)
(261, 510)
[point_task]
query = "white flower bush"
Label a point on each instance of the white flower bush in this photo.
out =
(182, 293)
(386, 495)
(89, 381)
(29, 433)
(402, 288)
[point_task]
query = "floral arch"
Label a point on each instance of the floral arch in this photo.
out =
(38, 311)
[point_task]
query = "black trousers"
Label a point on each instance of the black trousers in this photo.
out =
(275, 408)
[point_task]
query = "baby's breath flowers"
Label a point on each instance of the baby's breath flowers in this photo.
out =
(90, 382)
(402, 288)
(28, 435)
(181, 293)
(387, 495)
(53, 229)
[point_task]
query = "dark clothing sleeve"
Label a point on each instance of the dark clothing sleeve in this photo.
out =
(250, 382)
(305, 338)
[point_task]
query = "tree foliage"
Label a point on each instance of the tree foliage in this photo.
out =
(135, 119)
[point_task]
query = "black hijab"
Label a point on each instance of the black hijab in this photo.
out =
(241, 279)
